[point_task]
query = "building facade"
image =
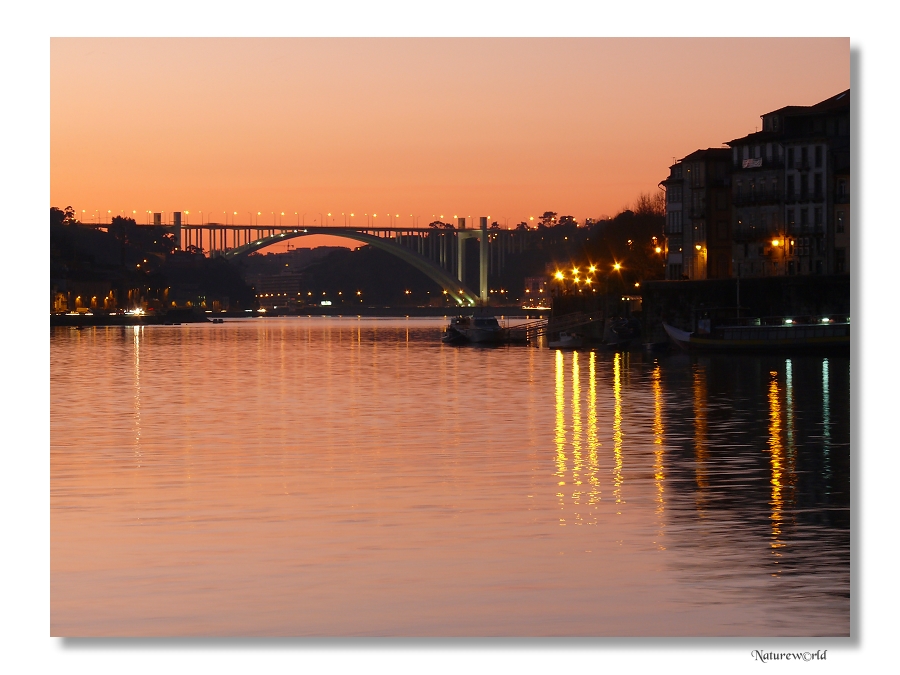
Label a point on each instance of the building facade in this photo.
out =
(698, 216)
(775, 202)
(790, 191)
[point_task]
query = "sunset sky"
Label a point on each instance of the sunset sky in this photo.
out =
(431, 127)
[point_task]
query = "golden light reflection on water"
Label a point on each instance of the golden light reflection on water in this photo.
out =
(136, 360)
(826, 420)
(617, 431)
(659, 473)
(592, 440)
(776, 455)
(560, 435)
(576, 432)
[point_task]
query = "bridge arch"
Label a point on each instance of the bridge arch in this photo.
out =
(454, 287)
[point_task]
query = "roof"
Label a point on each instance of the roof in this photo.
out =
(836, 102)
(709, 153)
(757, 137)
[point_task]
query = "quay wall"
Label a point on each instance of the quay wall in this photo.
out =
(682, 303)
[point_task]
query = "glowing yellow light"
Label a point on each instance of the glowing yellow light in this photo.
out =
(592, 269)
(776, 242)
(559, 275)
(617, 266)
(697, 246)
(658, 249)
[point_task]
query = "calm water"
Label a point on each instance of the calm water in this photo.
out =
(326, 476)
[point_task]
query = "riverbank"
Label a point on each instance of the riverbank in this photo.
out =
(192, 316)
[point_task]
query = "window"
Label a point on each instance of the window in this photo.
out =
(839, 222)
(804, 158)
(722, 230)
(818, 218)
(840, 260)
(842, 188)
(674, 222)
(790, 218)
(818, 185)
(791, 188)
(818, 156)
(804, 219)
(756, 153)
(790, 159)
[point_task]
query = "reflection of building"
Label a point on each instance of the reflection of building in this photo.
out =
(698, 217)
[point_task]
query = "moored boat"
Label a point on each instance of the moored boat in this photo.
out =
(566, 341)
(478, 329)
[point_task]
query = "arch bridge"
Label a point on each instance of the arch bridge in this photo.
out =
(439, 253)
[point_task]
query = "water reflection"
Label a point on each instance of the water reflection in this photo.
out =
(592, 439)
(617, 434)
(700, 437)
(826, 420)
(343, 467)
(776, 453)
(659, 473)
(136, 393)
(560, 435)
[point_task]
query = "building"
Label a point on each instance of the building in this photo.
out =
(791, 192)
(698, 216)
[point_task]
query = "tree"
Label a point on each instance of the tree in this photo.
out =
(437, 224)
(62, 217)
(548, 219)
(650, 204)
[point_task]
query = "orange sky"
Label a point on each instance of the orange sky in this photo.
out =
(502, 127)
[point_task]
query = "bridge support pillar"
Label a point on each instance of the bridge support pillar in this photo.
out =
(483, 260)
(461, 250)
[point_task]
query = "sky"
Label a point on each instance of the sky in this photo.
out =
(414, 128)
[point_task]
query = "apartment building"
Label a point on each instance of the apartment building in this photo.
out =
(790, 191)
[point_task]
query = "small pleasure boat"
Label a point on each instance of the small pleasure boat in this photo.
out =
(478, 329)
(566, 341)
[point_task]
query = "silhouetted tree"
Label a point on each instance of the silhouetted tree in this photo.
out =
(548, 219)
(650, 204)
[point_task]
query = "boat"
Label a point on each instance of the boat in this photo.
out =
(821, 333)
(478, 329)
(452, 336)
(566, 341)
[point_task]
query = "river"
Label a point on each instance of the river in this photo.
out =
(350, 476)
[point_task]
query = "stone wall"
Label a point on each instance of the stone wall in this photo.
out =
(681, 303)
